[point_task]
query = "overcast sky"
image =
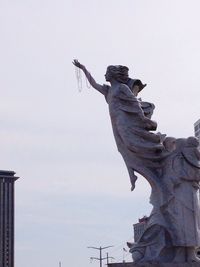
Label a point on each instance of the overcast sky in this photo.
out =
(74, 189)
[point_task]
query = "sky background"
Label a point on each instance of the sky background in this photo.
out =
(74, 189)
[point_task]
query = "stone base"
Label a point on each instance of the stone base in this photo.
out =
(131, 264)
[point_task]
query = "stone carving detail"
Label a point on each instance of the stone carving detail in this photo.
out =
(170, 165)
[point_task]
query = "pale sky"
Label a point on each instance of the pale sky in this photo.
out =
(74, 189)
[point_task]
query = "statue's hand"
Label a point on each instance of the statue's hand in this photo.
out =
(77, 64)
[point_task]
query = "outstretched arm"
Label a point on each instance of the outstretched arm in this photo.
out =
(102, 89)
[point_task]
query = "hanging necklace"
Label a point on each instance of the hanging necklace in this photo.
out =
(79, 79)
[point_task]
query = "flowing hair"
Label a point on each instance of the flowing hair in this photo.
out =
(119, 72)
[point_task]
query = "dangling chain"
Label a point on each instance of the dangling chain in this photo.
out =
(88, 85)
(79, 79)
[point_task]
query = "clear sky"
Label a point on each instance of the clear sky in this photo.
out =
(74, 189)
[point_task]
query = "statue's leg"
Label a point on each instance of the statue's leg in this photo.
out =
(132, 176)
(138, 254)
(151, 247)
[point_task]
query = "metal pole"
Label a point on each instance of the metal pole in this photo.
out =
(100, 250)
(107, 258)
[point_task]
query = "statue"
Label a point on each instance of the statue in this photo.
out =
(171, 166)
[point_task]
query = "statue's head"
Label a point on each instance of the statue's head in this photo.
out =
(170, 143)
(118, 73)
(187, 142)
(192, 141)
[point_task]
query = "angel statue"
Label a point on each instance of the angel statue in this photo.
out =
(171, 166)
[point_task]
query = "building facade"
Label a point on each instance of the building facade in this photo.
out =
(197, 129)
(139, 228)
(7, 180)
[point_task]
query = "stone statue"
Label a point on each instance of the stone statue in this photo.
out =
(171, 166)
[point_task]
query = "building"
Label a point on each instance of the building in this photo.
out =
(7, 180)
(139, 228)
(197, 129)
(126, 264)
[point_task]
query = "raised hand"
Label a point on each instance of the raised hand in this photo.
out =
(91, 80)
(77, 64)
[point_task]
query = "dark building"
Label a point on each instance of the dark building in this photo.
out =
(126, 264)
(7, 181)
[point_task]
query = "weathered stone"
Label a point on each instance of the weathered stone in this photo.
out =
(170, 165)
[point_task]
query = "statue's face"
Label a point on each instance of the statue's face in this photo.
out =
(108, 76)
